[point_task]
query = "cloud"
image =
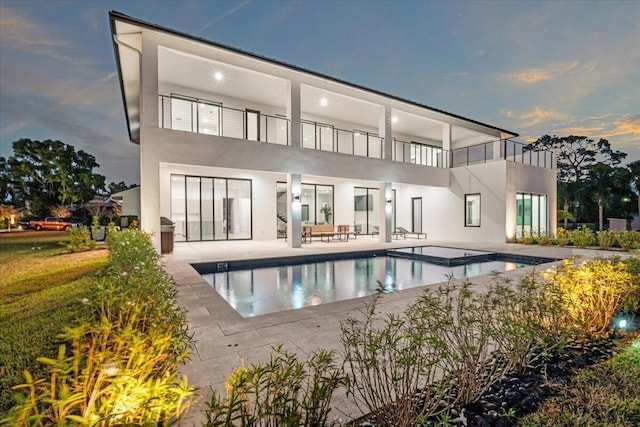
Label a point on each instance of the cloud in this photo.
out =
(629, 125)
(18, 29)
(224, 15)
(533, 117)
(13, 127)
(21, 33)
(92, 19)
(536, 75)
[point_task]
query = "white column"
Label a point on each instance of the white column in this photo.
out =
(385, 132)
(294, 210)
(497, 145)
(385, 211)
(149, 163)
(446, 144)
(293, 112)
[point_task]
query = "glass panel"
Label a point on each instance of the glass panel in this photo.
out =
(535, 214)
(193, 208)
(207, 208)
(519, 215)
(219, 218)
(543, 215)
(281, 209)
(282, 131)
(308, 135)
(178, 213)
(360, 210)
(252, 125)
(181, 114)
(238, 209)
(208, 119)
(374, 203)
(375, 147)
(417, 215)
(359, 144)
(472, 210)
(308, 204)
(345, 141)
(324, 196)
(325, 136)
(233, 123)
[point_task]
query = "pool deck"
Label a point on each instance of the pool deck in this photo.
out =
(223, 339)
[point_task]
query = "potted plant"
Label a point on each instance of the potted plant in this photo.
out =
(326, 211)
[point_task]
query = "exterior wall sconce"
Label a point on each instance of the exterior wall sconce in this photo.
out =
(389, 201)
(296, 197)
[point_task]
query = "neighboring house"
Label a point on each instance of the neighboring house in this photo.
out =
(101, 206)
(234, 145)
(129, 201)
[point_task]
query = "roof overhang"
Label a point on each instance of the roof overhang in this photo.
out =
(127, 44)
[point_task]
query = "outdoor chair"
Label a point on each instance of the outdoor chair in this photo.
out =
(405, 232)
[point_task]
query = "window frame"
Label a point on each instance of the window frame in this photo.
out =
(479, 216)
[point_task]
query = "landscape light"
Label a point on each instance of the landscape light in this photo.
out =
(622, 323)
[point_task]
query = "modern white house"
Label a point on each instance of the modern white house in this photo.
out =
(236, 146)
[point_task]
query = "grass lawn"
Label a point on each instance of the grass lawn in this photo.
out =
(41, 289)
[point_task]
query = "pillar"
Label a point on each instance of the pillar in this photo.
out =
(385, 132)
(446, 145)
(385, 211)
(294, 210)
(293, 113)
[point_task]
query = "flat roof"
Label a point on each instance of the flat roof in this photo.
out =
(118, 16)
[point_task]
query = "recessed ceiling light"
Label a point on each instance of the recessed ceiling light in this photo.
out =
(324, 102)
(394, 119)
(357, 134)
(218, 76)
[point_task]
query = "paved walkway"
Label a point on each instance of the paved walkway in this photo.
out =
(224, 339)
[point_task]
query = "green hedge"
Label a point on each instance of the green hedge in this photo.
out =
(119, 366)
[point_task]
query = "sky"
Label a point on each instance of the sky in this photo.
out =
(532, 67)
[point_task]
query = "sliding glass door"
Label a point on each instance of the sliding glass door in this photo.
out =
(531, 215)
(205, 208)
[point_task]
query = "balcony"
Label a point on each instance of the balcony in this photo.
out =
(326, 137)
(510, 150)
(419, 154)
(211, 118)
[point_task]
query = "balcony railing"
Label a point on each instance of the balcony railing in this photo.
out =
(326, 137)
(419, 154)
(211, 118)
(473, 154)
(523, 153)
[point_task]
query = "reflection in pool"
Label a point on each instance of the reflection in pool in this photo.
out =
(268, 290)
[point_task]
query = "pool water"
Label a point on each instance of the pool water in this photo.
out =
(257, 291)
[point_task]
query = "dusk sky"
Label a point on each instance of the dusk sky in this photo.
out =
(535, 68)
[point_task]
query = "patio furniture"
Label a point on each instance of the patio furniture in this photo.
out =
(405, 232)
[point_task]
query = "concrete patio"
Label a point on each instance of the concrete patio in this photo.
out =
(223, 339)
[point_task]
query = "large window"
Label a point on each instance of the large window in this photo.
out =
(317, 205)
(205, 208)
(472, 210)
(531, 215)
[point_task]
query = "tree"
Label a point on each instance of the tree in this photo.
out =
(634, 178)
(576, 158)
(606, 183)
(117, 187)
(42, 174)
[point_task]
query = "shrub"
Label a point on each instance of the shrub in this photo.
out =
(545, 239)
(582, 237)
(457, 328)
(387, 362)
(282, 392)
(562, 237)
(592, 291)
(606, 239)
(524, 319)
(80, 239)
(628, 240)
(121, 366)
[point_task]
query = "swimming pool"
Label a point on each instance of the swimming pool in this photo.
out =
(255, 291)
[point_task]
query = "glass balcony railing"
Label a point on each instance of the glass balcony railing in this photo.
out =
(326, 137)
(208, 117)
(419, 154)
(211, 118)
(523, 153)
